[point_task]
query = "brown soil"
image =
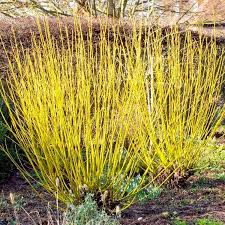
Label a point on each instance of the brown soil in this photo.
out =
(34, 205)
(203, 196)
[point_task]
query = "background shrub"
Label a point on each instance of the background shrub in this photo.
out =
(6, 165)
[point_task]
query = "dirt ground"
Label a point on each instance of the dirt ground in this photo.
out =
(31, 205)
(202, 197)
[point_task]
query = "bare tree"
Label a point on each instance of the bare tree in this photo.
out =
(112, 8)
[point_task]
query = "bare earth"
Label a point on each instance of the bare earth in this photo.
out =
(202, 196)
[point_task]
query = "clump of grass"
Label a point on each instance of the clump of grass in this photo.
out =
(221, 176)
(202, 221)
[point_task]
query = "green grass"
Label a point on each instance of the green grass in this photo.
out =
(213, 157)
(204, 221)
(179, 222)
(202, 182)
(220, 176)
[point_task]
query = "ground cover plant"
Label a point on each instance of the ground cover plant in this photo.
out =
(202, 221)
(93, 117)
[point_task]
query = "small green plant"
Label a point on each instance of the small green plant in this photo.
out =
(179, 222)
(204, 221)
(4, 204)
(16, 202)
(12, 202)
(88, 214)
(221, 176)
(213, 157)
(146, 194)
(185, 202)
(200, 183)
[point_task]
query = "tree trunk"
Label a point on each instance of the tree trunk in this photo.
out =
(83, 7)
(111, 8)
